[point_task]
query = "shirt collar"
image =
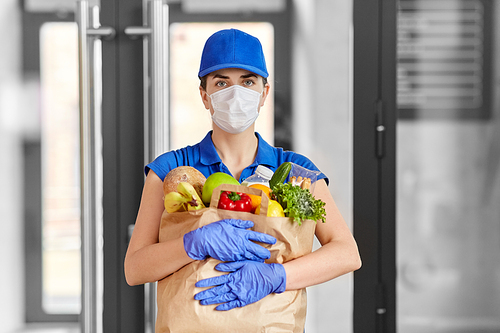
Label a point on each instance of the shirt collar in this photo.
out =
(265, 152)
(208, 154)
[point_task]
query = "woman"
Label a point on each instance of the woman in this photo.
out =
(233, 87)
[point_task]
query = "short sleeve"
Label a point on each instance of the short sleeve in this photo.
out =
(164, 163)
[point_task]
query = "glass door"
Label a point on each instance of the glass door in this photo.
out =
(64, 228)
(448, 167)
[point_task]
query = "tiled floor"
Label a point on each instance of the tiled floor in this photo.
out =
(50, 328)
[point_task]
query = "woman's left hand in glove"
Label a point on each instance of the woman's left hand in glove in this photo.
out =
(247, 282)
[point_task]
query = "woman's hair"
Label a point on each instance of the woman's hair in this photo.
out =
(203, 81)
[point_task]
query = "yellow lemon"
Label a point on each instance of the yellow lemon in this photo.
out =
(274, 209)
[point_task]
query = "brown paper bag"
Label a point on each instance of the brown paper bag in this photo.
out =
(178, 311)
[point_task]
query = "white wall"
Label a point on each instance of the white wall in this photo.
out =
(11, 129)
(322, 124)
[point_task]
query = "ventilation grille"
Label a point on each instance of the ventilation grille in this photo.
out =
(442, 58)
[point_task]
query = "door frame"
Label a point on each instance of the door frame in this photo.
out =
(374, 172)
(123, 156)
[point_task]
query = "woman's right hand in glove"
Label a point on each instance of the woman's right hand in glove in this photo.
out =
(227, 240)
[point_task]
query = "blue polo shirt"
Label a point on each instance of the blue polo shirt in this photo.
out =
(205, 158)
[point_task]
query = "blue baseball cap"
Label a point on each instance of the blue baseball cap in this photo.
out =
(232, 48)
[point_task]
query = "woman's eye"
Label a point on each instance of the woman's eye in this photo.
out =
(248, 83)
(221, 84)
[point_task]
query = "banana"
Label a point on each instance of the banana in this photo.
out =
(185, 199)
(175, 202)
(188, 191)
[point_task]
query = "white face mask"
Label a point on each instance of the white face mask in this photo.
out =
(235, 108)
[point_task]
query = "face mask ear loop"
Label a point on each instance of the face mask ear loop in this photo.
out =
(260, 98)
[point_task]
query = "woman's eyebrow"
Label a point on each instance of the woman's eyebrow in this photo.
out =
(220, 76)
(246, 76)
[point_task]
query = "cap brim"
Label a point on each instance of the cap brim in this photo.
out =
(232, 65)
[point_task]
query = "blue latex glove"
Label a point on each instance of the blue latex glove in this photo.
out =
(227, 240)
(249, 282)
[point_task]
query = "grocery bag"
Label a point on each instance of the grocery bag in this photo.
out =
(178, 311)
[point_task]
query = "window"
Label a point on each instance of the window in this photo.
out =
(60, 143)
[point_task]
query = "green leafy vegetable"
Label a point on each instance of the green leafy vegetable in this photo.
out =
(299, 203)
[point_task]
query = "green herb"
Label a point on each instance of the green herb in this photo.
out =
(299, 203)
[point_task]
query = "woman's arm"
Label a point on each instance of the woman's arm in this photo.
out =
(146, 259)
(338, 254)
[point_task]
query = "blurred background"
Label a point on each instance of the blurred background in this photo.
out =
(447, 148)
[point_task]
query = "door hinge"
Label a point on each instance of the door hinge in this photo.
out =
(380, 300)
(380, 308)
(379, 130)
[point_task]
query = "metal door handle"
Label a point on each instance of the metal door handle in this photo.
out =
(136, 32)
(89, 32)
(106, 33)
